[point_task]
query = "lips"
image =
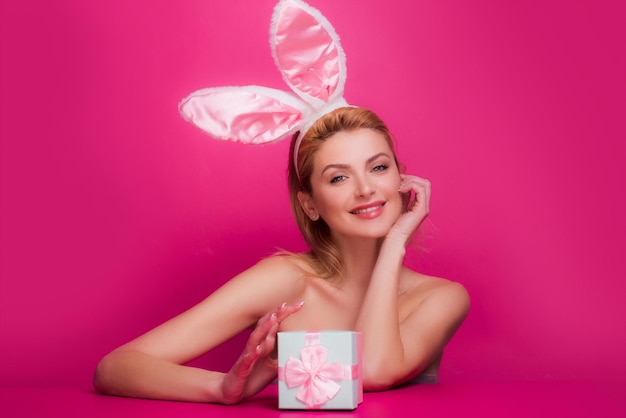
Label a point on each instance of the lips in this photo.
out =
(366, 209)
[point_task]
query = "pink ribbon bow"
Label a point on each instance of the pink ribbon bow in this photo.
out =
(316, 378)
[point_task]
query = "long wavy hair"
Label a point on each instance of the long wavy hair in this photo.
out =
(324, 256)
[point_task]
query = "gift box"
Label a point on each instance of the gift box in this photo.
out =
(319, 370)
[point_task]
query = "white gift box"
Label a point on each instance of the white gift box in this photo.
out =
(319, 370)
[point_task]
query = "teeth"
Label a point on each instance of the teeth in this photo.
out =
(356, 212)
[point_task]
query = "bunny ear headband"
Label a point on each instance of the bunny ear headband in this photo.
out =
(308, 54)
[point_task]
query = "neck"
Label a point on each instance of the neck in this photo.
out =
(359, 257)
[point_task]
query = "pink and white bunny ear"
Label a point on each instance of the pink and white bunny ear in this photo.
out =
(310, 58)
(251, 114)
(308, 53)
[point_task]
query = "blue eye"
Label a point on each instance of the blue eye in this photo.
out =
(337, 179)
(381, 167)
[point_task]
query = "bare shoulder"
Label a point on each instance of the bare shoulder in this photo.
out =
(281, 269)
(270, 282)
(419, 292)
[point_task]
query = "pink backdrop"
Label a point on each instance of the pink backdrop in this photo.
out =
(116, 214)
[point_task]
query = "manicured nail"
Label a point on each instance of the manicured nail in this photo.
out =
(283, 305)
(300, 304)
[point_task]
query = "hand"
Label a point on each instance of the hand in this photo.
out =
(416, 193)
(255, 368)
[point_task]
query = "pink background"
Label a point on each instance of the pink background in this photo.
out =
(116, 214)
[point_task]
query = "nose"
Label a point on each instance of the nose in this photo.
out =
(365, 187)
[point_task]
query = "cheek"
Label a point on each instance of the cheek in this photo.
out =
(398, 201)
(391, 188)
(399, 204)
(329, 204)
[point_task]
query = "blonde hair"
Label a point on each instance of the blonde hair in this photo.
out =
(324, 256)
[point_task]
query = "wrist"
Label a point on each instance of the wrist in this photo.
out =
(214, 388)
(394, 244)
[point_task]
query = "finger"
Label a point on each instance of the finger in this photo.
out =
(287, 309)
(406, 201)
(280, 313)
(420, 202)
(420, 188)
(409, 182)
(260, 331)
(268, 320)
(244, 365)
(267, 347)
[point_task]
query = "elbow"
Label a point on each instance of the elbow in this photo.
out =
(103, 375)
(464, 299)
(387, 378)
(461, 299)
(100, 376)
(376, 385)
(379, 378)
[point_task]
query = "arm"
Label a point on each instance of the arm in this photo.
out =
(152, 366)
(397, 349)
(378, 320)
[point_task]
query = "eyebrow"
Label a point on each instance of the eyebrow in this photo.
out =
(369, 160)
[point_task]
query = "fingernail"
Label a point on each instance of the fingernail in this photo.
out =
(300, 304)
(273, 316)
(283, 305)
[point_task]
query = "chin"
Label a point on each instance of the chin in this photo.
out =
(376, 233)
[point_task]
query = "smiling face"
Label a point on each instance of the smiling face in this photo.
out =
(354, 185)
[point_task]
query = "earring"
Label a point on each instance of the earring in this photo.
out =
(314, 215)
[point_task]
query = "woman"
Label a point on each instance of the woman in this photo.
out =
(358, 212)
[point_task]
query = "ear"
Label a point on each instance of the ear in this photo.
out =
(248, 114)
(308, 53)
(307, 204)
